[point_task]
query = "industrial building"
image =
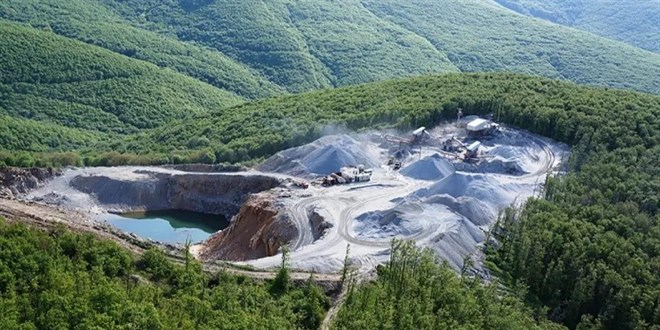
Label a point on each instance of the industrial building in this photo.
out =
(480, 127)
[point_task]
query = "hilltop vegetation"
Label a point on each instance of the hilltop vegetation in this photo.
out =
(414, 291)
(261, 128)
(65, 94)
(264, 48)
(634, 22)
(66, 280)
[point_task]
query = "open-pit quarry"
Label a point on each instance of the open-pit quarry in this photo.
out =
(432, 188)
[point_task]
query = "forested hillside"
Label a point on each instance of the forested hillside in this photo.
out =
(262, 48)
(66, 280)
(65, 94)
(415, 291)
(634, 22)
(479, 36)
(93, 23)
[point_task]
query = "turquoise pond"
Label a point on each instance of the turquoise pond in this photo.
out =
(172, 226)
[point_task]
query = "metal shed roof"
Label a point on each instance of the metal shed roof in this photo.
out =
(479, 124)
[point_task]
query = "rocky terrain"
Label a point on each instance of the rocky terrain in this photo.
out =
(15, 181)
(258, 230)
(142, 189)
(318, 223)
(436, 199)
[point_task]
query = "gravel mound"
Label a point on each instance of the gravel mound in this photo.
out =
(325, 155)
(409, 219)
(431, 168)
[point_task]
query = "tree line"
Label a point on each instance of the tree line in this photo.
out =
(59, 279)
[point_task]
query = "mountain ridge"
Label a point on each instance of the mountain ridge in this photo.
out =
(262, 49)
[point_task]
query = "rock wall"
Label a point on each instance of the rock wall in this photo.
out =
(208, 193)
(318, 223)
(257, 231)
(14, 181)
(207, 168)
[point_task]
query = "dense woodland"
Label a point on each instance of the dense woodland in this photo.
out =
(415, 290)
(590, 249)
(634, 22)
(65, 280)
(257, 49)
(75, 85)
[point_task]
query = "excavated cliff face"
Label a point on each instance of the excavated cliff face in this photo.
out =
(257, 231)
(15, 181)
(259, 224)
(318, 223)
(206, 193)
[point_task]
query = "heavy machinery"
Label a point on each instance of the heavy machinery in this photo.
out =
(469, 152)
(396, 164)
(348, 174)
(297, 183)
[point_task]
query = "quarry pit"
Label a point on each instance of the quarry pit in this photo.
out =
(429, 187)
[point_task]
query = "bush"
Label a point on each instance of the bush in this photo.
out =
(24, 160)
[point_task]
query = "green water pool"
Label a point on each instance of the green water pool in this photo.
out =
(171, 226)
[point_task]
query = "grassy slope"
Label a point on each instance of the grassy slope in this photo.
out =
(55, 80)
(479, 36)
(93, 23)
(634, 22)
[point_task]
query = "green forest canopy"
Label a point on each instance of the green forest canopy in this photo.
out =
(64, 94)
(257, 49)
(634, 22)
(66, 280)
(416, 291)
(62, 280)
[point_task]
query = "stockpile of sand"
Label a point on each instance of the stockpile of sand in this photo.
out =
(522, 159)
(323, 156)
(431, 168)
